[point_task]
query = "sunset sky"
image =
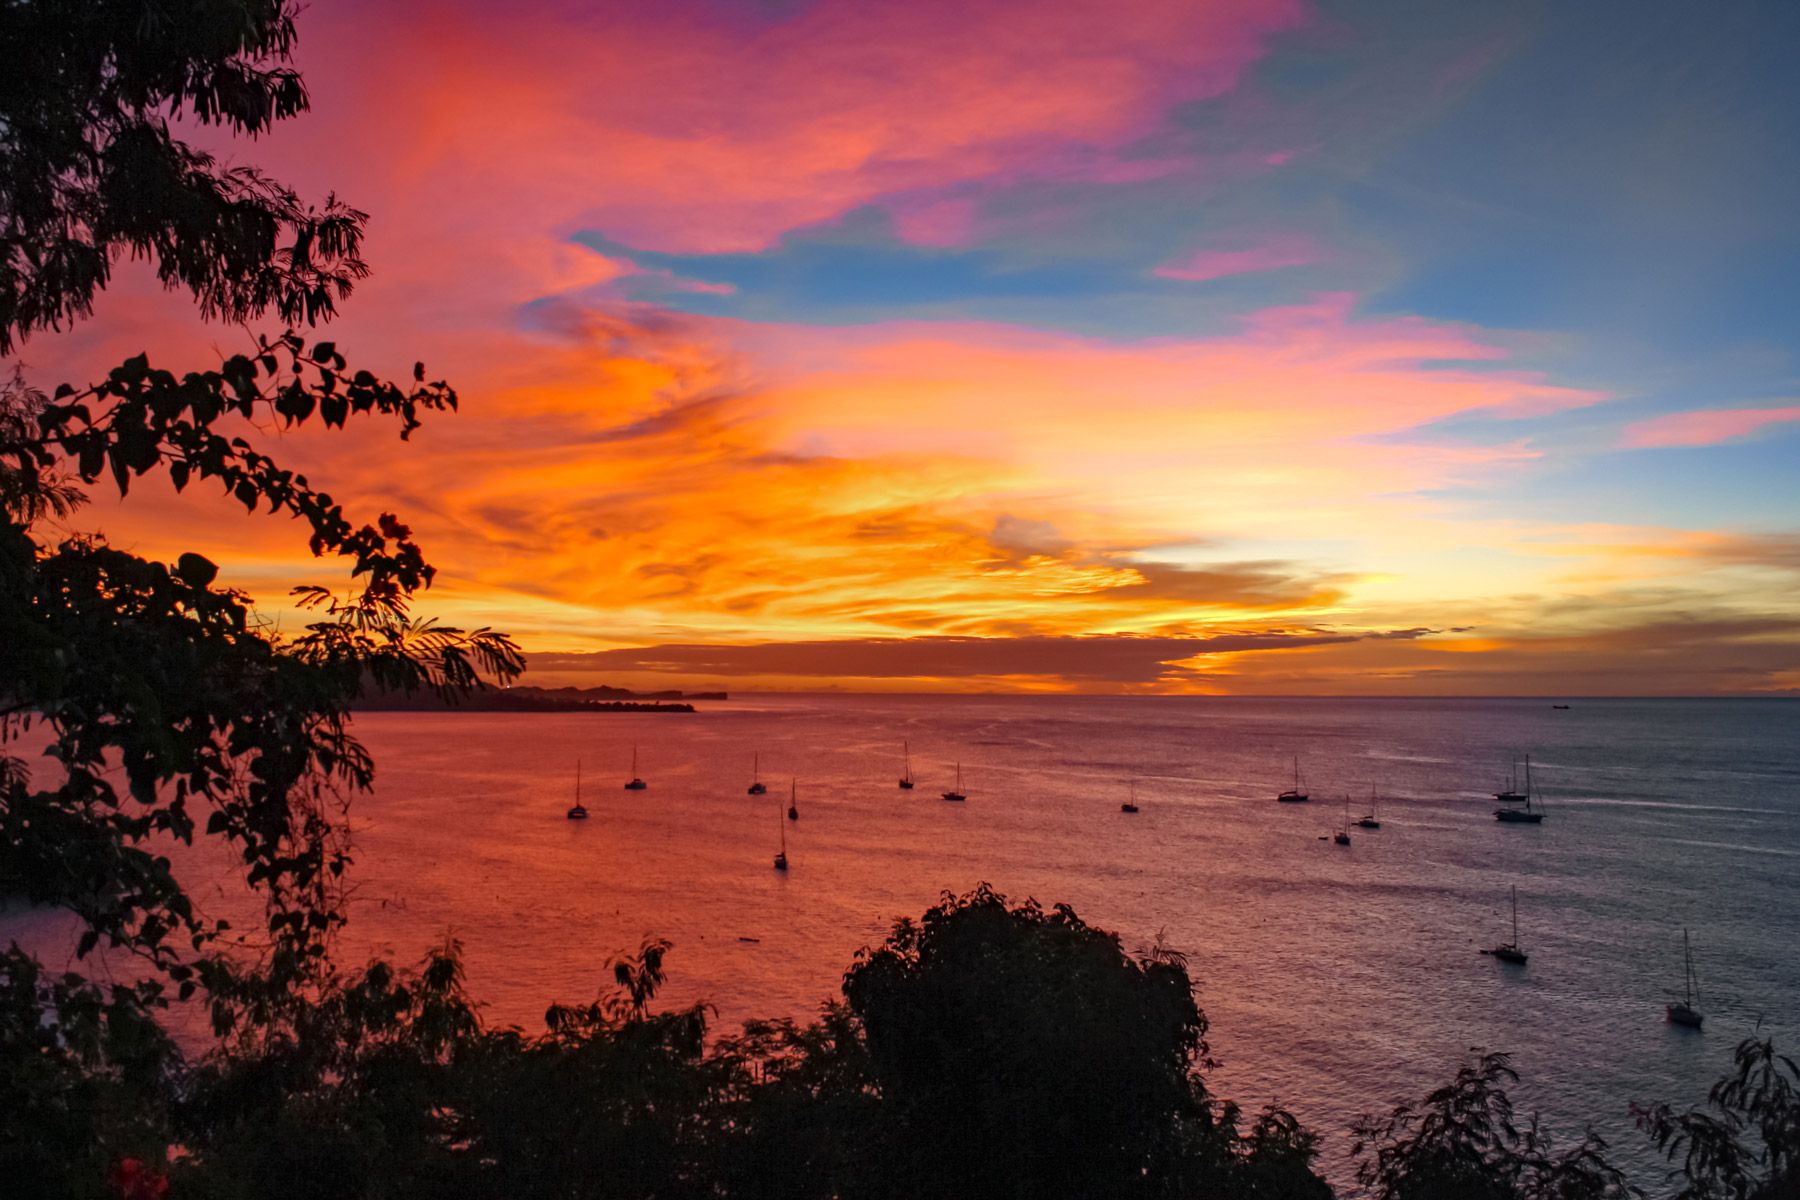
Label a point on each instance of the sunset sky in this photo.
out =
(1244, 346)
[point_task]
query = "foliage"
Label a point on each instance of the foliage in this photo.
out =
(84, 1089)
(1020, 1051)
(149, 666)
(1463, 1144)
(91, 167)
(389, 1086)
(170, 711)
(1745, 1144)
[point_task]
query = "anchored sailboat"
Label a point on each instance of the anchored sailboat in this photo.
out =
(1294, 795)
(636, 784)
(576, 811)
(1682, 1012)
(1130, 805)
(1369, 821)
(1512, 794)
(781, 854)
(906, 779)
(1342, 836)
(756, 787)
(1509, 951)
(1521, 816)
(958, 793)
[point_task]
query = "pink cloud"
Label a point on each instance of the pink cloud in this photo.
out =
(1270, 253)
(1705, 427)
(935, 222)
(673, 132)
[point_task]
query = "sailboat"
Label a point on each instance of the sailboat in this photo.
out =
(958, 793)
(576, 811)
(1682, 1012)
(906, 779)
(1521, 816)
(636, 784)
(781, 854)
(1512, 794)
(1369, 821)
(1130, 805)
(756, 787)
(1509, 951)
(1342, 836)
(1294, 795)
(793, 813)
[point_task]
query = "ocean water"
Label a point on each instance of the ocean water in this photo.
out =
(1338, 980)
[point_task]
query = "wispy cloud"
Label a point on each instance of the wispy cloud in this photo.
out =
(1269, 253)
(1707, 426)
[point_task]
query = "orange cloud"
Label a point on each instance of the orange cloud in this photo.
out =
(624, 477)
(641, 476)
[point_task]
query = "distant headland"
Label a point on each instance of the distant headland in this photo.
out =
(536, 699)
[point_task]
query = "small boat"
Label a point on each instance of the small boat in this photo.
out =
(576, 811)
(1509, 951)
(958, 793)
(1342, 836)
(793, 813)
(756, 787)
(1368, 821)
(1130, 806)
(1294, 795)
(1521, 816)
(906, 779)
(636, 784)
(1682, 1012)
(1559, 706)
(781, 854)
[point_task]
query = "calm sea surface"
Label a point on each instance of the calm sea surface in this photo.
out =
(1337, 980)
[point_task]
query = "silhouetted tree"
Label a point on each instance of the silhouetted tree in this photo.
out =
(1745, 1144)
(1462, 1143)
(1021, 1052)
(124, 665)
(91, 168)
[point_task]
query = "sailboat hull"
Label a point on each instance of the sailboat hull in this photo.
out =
(1681, 1014)
(906, 785)
(755, 789)
(1518, 816)
(1292, 798)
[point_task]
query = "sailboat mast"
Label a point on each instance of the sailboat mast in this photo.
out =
(1515, 900)
(1687, 956)
(578, 783)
